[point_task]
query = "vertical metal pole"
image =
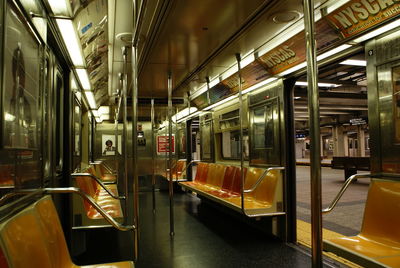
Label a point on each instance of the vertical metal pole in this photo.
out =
(171, 188)
(116, 147)
(134, 150)
(125, 133)
(313, 108)
(153, 149)
(238, 58)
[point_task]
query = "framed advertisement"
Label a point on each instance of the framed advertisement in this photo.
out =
(21, 83)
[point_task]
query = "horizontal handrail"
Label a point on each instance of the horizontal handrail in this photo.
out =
(343, 189)
(74, 175)
(260, 179)
(190, 163)
(79, 192)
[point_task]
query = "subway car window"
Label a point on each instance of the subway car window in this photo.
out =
(231, 144)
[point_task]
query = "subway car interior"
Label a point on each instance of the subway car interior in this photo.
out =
(172, 133)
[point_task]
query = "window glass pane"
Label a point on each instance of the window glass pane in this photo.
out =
(231, 144)
(206, 140)
(259, 127)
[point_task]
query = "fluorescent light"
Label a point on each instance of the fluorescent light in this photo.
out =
(378, 31)
(335, 5)
(185, 112)
(95, 113)
(354, 62)
(247, 59)
(198, 92)
(229, 72)
(221, 102)
(333, 52)
(98, 119)
(91, 100)
(303, 83)
(71, 41)
(257, 86)
(60, 7)
(214, 82)
(293, 69)
(189, 117)
(83, 78)
(9, 117)
(103, 110)
(105, 117)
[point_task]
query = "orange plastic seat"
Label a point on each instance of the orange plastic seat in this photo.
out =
(100, 172)
(223, 185)
(379, 238)
(34, 238)
(101, 197)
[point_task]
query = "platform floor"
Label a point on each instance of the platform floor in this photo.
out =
(206, 239)
(346, 218)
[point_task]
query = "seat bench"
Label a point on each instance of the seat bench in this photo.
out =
(110, 204)
(104, 173)
(378, 243)
(178, 171)
(34, 238)
(350, 165)
(221, 183)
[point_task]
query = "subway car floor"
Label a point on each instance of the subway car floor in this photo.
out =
(206, 238)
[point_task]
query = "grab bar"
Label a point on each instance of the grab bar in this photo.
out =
(190, 163)
(77, 191)
(261, 178)
(343, 189)
(74, 175)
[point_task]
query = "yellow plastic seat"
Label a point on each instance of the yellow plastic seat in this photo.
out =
(379, 238)
(34, 238)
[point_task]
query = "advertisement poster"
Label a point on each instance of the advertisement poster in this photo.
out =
(108, 143)
(163, 144)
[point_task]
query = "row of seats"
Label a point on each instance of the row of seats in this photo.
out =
(34, 238)
(104, 174)
(88, 185)
(222, 184)
(378, 243)
(178, 172)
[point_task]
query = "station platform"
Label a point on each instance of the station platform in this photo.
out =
(306, 162)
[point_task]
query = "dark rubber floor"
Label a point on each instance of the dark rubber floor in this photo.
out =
(205, 239)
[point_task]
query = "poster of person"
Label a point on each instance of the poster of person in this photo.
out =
(21, 84)
(109, 144)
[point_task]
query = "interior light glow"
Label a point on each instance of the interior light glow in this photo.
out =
(303, 83)
(354, 62)
(83, 78)
(378, 31)
(214, 82)
(232, 70)
(257, 86)
(98, 119)
(247, 59)
(189, 117)
(9, 117)
(333, 52)
(103, 110)
(185, 112)
(293, 69)
(71, 41)
(220, 102)
(95, 113)
(91, 100)
(105, 117)
(198, 92)
(60, 7)
(335, 4)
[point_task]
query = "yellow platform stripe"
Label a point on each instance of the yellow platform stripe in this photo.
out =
(304, 238)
